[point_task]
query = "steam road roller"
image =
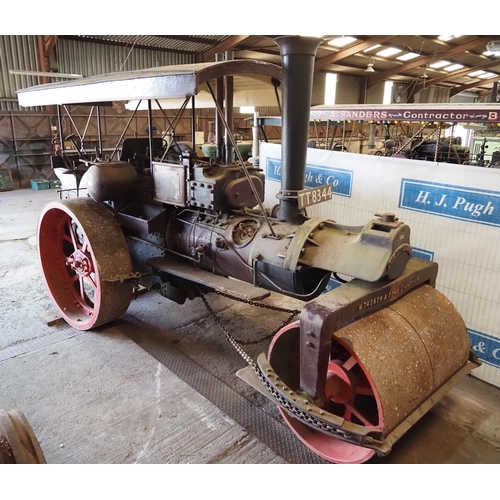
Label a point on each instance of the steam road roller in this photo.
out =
(361, 364)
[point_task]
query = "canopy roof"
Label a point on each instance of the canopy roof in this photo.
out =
(166, 82)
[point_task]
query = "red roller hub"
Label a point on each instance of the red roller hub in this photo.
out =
(83, 253)
(350, 394)
(382, 368)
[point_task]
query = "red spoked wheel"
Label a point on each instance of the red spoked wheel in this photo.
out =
(83, 254)
(350, 391)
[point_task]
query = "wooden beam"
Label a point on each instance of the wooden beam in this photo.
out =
(477, 83)
(50, 44)
(354, 49)
(451, 76)
(225, 45)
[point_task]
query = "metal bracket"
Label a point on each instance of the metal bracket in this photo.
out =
(321, 317)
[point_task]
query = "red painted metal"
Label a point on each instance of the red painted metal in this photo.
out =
(83, 255)
(351, 395)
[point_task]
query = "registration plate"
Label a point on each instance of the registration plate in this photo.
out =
(313, 196)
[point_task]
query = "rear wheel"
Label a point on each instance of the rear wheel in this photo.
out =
(84, 258)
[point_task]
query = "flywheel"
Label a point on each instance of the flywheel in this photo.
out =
(84, 259)
(382, 368)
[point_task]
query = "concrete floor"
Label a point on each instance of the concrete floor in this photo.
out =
(101, 398)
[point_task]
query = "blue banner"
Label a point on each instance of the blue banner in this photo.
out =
(339, 179)
(422, 254)
(455, 202)
(485, 347)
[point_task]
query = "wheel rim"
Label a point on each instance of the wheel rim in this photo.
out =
(350, 391)
(82, 250)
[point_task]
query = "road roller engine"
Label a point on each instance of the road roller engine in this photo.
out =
(360, 365)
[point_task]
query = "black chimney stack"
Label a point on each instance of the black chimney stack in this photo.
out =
(298, 54)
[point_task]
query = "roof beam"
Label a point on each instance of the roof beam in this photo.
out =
(477, 83)
(225, 45)
(452, 75)
(354, 49)
(426, 60)
(46, 45)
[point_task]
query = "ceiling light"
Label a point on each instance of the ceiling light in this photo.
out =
(407, 56)
(424, 75)
(489, 53)
(488, 75)
(476, 73)
(454, 67)
(369, 68)
(373, 47)
(342, 41)
(388, 52)
(446, 38)
(439, 64)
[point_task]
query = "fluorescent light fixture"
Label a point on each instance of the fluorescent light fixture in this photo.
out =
(44, 73)
(247, 109)
(373, 47)
(440, 64)
(476, 73)
(407, 56)
(454, 67)
(490, 53)
(342, 41)
(330, 88)
(446, 38)
(388, 52)
(488, 75)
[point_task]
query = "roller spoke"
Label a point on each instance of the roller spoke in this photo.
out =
(73, 236)
(351, 410)
(350, 363)
(364, 391)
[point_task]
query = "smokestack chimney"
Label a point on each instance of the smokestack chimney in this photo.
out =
(297, 54)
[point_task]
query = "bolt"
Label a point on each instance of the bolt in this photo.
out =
(309, 344)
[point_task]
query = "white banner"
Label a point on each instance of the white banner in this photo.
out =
(454, 215)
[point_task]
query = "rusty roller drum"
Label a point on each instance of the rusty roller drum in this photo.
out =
(18, 443)
(382, 367)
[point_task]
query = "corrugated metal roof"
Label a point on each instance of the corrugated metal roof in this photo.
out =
(17, 52)
(184, 43)
(91, 58)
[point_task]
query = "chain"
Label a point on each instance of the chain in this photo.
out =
(306, 417)
(437, 142)
(343, 134)
(292, 312)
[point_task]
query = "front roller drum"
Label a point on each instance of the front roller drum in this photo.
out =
(85, 262)
(18, 443)
(382, 368)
